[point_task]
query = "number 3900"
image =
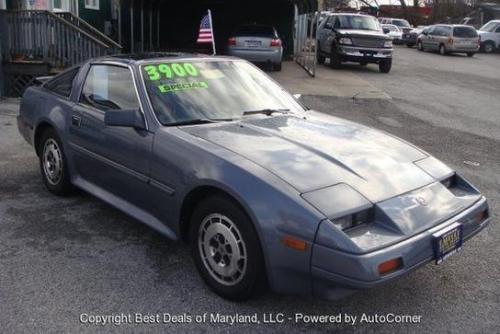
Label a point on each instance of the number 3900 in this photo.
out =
(170, 71)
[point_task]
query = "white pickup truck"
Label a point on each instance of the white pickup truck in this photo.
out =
(490, 36)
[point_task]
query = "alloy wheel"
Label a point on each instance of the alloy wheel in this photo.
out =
(52, 161)
(222, 249)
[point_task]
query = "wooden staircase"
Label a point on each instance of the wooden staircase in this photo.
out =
(38, 42)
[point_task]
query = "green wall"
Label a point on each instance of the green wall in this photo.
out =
(93, 16)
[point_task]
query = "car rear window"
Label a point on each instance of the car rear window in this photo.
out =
(255, 30)
(401, 23)
(464, 32)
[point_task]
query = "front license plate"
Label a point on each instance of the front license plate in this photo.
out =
(447, 242)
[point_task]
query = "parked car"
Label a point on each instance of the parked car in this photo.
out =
(393, 32)
(490, 36)
(410, 38)
(257, 43)
(212, 151)
(402, 24)
(449, 38)
(355, 38)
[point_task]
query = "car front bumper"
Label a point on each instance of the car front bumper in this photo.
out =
(336, 274)
(360, 54)
(271, 55)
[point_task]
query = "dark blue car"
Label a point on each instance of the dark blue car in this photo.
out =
(213, 151)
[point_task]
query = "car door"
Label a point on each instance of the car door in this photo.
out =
(432, 37)
(111, 160)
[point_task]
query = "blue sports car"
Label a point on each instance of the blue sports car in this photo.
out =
(212, 151)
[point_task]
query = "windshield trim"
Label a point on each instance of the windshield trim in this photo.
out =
(146, 62)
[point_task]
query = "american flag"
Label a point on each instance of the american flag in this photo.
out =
(205, 35)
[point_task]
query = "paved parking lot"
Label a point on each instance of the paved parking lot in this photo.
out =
(60, 258)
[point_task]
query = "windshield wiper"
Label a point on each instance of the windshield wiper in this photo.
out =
(267, 112)
(197, 121)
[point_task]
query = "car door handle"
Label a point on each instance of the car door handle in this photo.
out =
(76, 120)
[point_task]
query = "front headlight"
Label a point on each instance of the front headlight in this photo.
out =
(353, 220)
(388, 44)
(345, 41)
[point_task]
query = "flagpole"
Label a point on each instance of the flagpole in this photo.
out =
(212, 29)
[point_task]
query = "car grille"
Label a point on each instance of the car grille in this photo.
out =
(368, 42)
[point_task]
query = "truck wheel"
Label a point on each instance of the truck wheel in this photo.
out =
(335, 61)
(53, 164)
(226, 249)
(385, 65)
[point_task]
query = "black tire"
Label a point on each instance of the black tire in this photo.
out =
(470, 54)
(442, 50)
(420, 46)
(277, 67)
(52, 157)
(488, 47)
(385, 65)
(253, 277)
(319, 57)
(363, 63)
(410, 45)
(335, 60)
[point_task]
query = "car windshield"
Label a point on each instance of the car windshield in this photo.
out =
(212, 90)
(464, 32)
(358, 22)
(391, 27)
(254, 30)
(489, 27)
(401, 23)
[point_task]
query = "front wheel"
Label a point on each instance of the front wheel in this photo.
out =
(470, 54)
(488, 47)
(53, 164)
(335, 60)
(410, 45)
(385, 65)
(226, 249)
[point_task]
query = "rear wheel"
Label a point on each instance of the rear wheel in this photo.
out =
(385, 65)
(53, 164)
(420, 46)
(363, 63)
(226, 249)
(410, 45)
(470, 54)
(335, 61)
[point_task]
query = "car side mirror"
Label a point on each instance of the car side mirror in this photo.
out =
(386, 31)
(425, 33)
(328, 26)
(126, 118)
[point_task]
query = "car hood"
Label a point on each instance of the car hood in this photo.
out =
(316, 152)
(354, 32)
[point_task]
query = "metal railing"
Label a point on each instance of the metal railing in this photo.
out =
(37, 35)
(82, 24)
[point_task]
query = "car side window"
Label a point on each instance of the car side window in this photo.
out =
(63, 83)
(109, 87)
(498, 28)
